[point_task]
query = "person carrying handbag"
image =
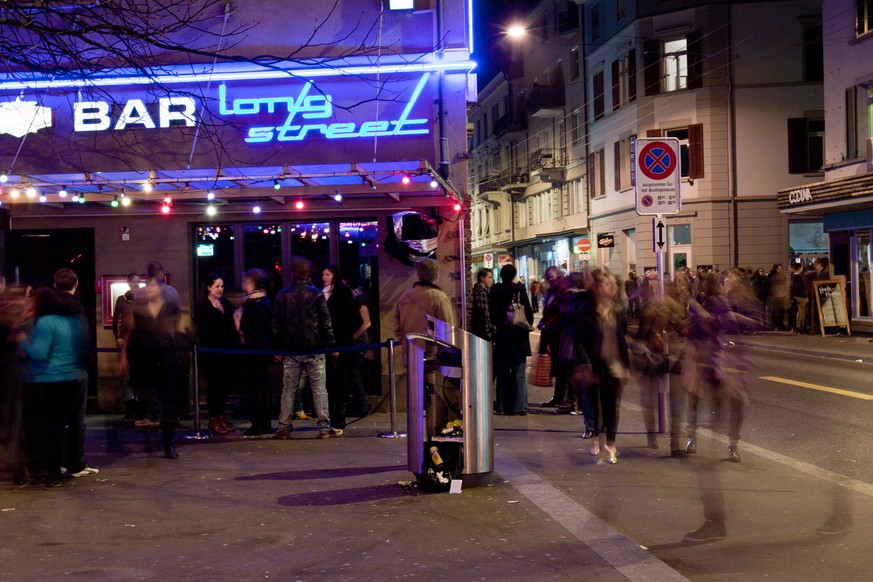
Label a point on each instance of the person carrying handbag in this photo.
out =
(511, 343)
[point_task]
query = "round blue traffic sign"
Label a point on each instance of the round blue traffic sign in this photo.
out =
(647, 200)
(657, 161)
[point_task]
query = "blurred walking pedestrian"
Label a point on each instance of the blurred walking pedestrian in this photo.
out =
(254, 321)
(603, 363)
(56, 373)
(550, 329)
(122, 319)
(707, 322)
(151, 353)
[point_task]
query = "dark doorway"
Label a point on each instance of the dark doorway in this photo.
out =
(33, 256)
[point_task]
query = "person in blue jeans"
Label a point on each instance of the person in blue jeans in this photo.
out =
(511, 343)
(301, 323)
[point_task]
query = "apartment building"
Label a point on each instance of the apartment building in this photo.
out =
(738, 84)
(842, 203)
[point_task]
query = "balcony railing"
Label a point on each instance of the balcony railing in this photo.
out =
(568, 21)
(510, 124)
(545, 97)
(548, 159)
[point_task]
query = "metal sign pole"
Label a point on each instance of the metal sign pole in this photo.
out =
(663, 379)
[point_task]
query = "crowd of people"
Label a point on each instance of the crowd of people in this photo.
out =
(47, 347)
(584, 331)
(679, 335)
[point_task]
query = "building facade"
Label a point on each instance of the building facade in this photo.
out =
(738, 84)
(843, 202)
(225, 160)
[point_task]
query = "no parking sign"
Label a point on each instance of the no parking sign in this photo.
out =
(658, 170)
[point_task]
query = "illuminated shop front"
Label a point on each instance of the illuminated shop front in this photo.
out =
(223, 167)
(834, 220)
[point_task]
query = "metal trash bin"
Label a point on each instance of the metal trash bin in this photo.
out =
(474, 371)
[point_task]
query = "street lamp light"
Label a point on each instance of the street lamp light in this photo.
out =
(516, 31)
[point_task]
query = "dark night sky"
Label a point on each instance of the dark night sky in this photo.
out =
(490, 17)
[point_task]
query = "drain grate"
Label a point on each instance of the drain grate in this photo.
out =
(363, 431)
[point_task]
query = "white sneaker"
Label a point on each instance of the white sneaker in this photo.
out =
(86, 472)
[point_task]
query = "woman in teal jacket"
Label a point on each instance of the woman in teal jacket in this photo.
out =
(56, 379)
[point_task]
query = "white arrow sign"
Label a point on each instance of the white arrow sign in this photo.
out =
(659, 235)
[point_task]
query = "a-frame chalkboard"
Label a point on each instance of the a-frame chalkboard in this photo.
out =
(830, 303)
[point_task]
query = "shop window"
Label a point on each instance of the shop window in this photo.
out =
(680, 234)
(806, 242)
(312, 241)
(631, 246)
(624, 86)
(214, 251)
(358, 250)
(864, 274)
(263, 250)
(805, 145)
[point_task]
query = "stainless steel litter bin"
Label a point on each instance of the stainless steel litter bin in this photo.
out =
(475, 374)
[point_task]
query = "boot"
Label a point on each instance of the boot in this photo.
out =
(216, 426)
(226, 424)
(168, 436)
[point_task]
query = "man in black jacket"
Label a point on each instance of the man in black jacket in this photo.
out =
(301, 323)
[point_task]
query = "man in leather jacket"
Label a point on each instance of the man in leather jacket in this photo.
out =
(301, 323)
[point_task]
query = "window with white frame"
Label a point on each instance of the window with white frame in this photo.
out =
(577, 128)
(681, 133)
(675, 65)
(575, 63)
(630, 245)
(576, 194)
(523, 216)
(596, 176)
(624, 86)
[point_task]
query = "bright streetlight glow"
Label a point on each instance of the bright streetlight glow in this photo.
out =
(516, 31)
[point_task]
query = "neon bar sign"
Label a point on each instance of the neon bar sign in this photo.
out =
(302, 114)
(312, 107)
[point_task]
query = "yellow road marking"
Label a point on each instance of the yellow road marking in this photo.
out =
(819, 387)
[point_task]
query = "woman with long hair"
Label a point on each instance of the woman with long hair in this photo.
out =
(345, 317)
(602, 362)
(215, 329)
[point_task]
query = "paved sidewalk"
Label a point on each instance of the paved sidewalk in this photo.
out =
(341, 509)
